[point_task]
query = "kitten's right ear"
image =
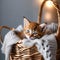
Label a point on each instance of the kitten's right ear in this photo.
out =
(42, 26)
(26, 21)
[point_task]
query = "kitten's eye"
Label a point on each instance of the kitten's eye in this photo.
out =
(27, 31)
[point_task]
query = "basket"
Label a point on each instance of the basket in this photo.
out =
(19, 52)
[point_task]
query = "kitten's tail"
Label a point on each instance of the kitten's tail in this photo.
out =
(6, 27)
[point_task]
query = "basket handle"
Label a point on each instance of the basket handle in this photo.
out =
(58, 30)
(40, 12)
(6, 27)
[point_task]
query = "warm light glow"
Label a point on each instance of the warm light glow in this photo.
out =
(48, 16)
(49, 3)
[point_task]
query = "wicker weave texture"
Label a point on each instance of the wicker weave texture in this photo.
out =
(19, 52)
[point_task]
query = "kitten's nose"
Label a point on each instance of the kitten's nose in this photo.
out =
(32, 36)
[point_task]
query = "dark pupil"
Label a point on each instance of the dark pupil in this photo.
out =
(27, 31)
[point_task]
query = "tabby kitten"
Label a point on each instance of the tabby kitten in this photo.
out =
(31, 30)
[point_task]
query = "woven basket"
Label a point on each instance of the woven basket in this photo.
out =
(19, 52)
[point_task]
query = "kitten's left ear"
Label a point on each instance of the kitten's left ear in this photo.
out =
(26, 21)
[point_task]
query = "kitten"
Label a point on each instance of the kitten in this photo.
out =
(31, 30)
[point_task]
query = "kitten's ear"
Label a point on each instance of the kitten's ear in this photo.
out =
(26, 21)
(42, 26)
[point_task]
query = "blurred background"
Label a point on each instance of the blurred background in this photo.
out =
(12, 12)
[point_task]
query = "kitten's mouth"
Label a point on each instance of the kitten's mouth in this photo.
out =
(32, 38)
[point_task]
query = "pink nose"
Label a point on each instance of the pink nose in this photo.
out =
(32, 38)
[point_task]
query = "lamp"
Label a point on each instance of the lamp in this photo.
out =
(48, 3)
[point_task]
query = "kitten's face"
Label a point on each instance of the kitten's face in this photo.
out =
(32, 30)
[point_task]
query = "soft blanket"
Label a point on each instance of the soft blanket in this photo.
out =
(46, 45)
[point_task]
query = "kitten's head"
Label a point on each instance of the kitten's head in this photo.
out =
(32, 30)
